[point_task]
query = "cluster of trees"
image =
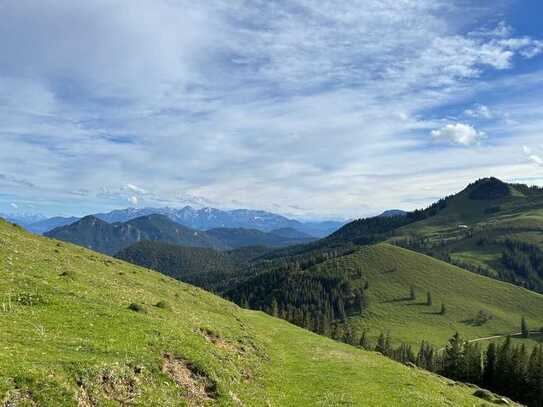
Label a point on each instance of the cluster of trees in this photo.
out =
(312, 300)
(526, 260)
(505, 369)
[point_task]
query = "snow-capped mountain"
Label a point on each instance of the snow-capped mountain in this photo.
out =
(210, 218)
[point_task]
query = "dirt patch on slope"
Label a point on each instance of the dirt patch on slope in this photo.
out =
(219, 342)
(201, 390)
(116, 384)
(20, 398)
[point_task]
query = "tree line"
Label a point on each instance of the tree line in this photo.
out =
(506, 369)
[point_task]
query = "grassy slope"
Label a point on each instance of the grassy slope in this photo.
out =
(80, 330)
(391, 271)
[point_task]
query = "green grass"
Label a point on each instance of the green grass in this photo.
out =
(69, 337)
(391, 271)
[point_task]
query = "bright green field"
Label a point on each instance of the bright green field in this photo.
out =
(67, 338)
(391, 271)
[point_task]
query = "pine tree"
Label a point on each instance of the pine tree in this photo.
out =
(472, 371)
(274, 308)
(425, 357)
(412, 294)
(443, 309)
(519, 361)
(428, 298)
(535, 376)
(453, 358)
(244, 303)
(381, 344)
(364, 340)
(503, 367)
(489, 375)
(348, 336)
(524, 328)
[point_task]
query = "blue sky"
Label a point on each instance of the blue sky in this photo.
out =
(310, 108)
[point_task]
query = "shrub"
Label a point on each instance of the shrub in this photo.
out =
(162, 304)
(137, 307)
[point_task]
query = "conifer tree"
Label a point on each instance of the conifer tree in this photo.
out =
(524, 328)
(381, 344)
(453, 358)
(489, 375)
(534, 377)
(412, 294)
(274, 308)
(472, 371)
(364, 340)
(503, 365)
(428, 298)
(443, 309)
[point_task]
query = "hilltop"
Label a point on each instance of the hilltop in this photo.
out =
(80, 328)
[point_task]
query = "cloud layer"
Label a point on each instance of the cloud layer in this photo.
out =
(303, 107)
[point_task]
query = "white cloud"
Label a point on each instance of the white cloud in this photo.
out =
(14, 205)
(133, 200)
(221, 99)
(527, 150)
(458, 133)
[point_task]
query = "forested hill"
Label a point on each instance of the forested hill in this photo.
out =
(205, 267)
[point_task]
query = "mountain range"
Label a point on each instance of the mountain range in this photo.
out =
(110, 238)
(199, 219)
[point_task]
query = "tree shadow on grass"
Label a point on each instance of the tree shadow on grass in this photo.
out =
(400, 299)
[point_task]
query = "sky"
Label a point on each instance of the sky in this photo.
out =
(315, 109)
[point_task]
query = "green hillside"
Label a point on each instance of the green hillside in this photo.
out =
(82, 329)
(385, 275)
(392, 271)
(473, 232)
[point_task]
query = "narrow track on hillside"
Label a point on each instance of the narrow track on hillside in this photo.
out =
(488, 338)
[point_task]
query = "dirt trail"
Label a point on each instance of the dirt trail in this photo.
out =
(488, 338)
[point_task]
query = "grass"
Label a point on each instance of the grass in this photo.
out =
(391, 271)
(75, 342)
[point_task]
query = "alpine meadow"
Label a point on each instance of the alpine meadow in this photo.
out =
(278, 203)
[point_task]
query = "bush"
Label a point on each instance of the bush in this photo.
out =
(137, 307)
(162, 304)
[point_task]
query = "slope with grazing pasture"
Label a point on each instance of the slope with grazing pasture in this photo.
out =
(81, 329)
(392, 271)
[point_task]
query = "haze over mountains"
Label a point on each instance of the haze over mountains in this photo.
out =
(199, 219)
